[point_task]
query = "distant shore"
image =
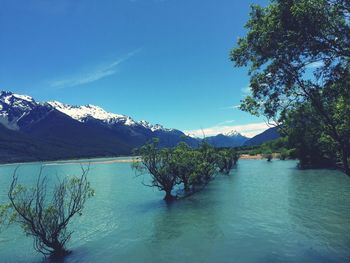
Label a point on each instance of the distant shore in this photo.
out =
(114, 160)
(127, 160)
(132, 160)
(251, 157)
(92, 160)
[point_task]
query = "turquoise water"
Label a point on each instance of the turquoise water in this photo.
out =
(262, 212)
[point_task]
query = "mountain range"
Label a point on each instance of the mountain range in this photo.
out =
(268, 135)
(37, 131)
(231, 139)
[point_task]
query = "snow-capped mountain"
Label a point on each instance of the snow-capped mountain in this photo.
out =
(80, 113)
(31, 130)
(13, 107)
(84, 113)
(35, 131)
(232, 133)
(230, 139)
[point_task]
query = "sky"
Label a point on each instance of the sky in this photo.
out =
(164, 61)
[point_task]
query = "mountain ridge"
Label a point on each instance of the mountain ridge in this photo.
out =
(230, 139)
(40, 131)
(267, 135)
(88, 131)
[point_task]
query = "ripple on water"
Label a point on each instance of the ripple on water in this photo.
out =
(262, 212)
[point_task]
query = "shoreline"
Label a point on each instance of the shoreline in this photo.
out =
(251, 157)
(110, 160)
(133, 160)
(92, 160)
(129, 160)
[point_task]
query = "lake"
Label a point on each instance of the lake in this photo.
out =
(261, 212)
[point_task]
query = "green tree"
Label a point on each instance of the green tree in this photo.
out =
(184, 163)
(306, 133)
(298, 51)
(181, 165)
(44, 219)
(268, 155)
(158, 163)
(227, 159)
(206, 164)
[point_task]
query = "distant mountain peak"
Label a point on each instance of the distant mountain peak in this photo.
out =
(230, 139)
(233, 133)
(14, 106)
(9, 98)
(267, 135)
(153, 127)
(80, 113)
(35, 131)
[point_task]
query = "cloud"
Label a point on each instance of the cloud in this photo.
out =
(233, 107)
(82, 79)
(225, 122)
(249, 130)
(93, 75)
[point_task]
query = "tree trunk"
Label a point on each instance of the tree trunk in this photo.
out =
(345, 161)
(186, 186)
(59, 251)
(168, 196)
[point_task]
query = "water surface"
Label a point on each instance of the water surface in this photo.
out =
(262, 212)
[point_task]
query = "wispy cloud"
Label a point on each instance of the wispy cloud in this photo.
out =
(248, 130)
(225, 122)
(233, 107)
(91, 76)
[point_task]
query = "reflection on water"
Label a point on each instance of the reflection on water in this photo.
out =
(262, 212)
(319, 211)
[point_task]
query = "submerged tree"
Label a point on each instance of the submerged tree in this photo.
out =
(299, 52)
(191, 168)
(268, 156)
(157, 162)
(45, 216)
(183, 165)
(227, 159)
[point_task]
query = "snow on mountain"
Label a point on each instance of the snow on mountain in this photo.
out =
(13, 107)
(80, 113)
(232, 133)
(152, 127)
(9, 99)
(23, 97)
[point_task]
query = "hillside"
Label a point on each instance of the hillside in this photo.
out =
(268, 135)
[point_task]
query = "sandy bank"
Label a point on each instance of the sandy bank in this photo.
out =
(132, 160)
(251, 157)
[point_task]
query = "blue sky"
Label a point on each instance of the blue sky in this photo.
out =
(165, 61)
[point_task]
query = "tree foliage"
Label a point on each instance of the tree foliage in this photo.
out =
(44, 215)
(182, 165)
(157, 162)
(227, 159)
(298, 52)
(268, 155)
